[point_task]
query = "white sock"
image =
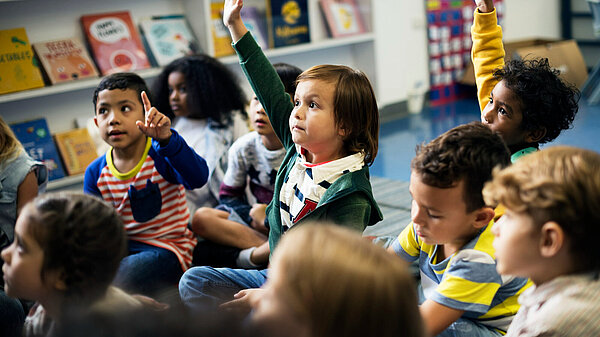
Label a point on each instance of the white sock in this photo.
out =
(243, 260)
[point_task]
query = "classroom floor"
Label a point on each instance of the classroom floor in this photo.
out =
(401, 132)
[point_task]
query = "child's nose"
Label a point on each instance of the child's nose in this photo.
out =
(174, 95)
(488, 115)
(6, 254)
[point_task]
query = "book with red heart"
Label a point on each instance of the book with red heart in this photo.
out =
(114, 42)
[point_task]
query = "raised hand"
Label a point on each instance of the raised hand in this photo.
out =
(485, 6)
(232, 19)
(156, 125)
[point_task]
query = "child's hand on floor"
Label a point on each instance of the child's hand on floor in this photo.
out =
(156, 125)
(243, 301)
(485, 6)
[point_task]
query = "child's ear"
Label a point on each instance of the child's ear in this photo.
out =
(483, 216)
(552, 239)
(536, 135)
(56, 279)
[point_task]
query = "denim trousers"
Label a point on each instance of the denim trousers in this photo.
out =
(148, 269)
(204, 288)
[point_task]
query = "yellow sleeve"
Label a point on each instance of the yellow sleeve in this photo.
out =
(487, 53)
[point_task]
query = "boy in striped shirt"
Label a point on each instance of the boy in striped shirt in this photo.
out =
(450, 235)
(144, 175)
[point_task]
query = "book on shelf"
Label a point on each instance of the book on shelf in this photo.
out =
(37, 142)
(77, 150)
(114, 42)
(65, 60)
(220, 34)
(255, 21)
(343, 17)
(288, 22)
(166, 38)
(19, 69)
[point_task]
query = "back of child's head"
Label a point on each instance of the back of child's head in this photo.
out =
(213, 91)
(122, 81)
(82, 237)
(467, 152)
(343, 285)
(10, 146)
(548, 102)
(560, 184)
(355, 107)
(288, 75)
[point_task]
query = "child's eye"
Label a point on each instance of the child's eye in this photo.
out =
(182, 89)
(296, 103)
(503, 112)
(102, 111)
(125, 108)
(433, 216)
(312, 105)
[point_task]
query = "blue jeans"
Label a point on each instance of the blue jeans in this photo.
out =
(148, 269)
(204, 288)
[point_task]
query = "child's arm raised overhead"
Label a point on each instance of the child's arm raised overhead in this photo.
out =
(260, 73)
(487, 52)
(183, 164)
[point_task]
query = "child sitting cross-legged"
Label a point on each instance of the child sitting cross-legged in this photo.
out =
(66, 251)
(330, 132)
(525, 101)
(549, 233)
(235, 229)
(143, 176)
(450, 235)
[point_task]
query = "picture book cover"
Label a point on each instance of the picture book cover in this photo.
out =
(256, 23)
(77, 150)
(37, 141)
(167, 38)
(114, 42)
(288, 22)
(19, 69)
(65, 60)
(343, 17)
(220, 34)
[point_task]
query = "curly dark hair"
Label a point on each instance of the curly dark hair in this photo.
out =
(468, 152)
(213, 90)
(121, 81)
(548, 102)
(81, 236)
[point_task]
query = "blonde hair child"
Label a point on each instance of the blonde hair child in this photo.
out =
(327, 281)
(550, 233)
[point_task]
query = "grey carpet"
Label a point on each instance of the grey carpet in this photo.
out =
(394, 201)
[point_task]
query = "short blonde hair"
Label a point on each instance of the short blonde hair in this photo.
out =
(10, 147)
(344, 285)
(560, 184)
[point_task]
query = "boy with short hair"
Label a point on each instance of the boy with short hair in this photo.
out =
(525, 101)
(143, 176)
(450, 235)
(549, 233)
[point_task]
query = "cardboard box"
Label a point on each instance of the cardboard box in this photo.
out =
(563, 55)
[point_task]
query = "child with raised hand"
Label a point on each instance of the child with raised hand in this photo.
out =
(234, 229)
(523, 100)
(330, 132)
(328, 281)
(20, 180)
(66, 251)
(450, 235)
(549, 233)
(143, 176)
(206, 104)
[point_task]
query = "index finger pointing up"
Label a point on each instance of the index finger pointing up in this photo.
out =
(146, 101)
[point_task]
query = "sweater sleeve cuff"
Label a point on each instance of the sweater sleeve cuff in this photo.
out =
(172, 146)
(484, 21)
(245, 47)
